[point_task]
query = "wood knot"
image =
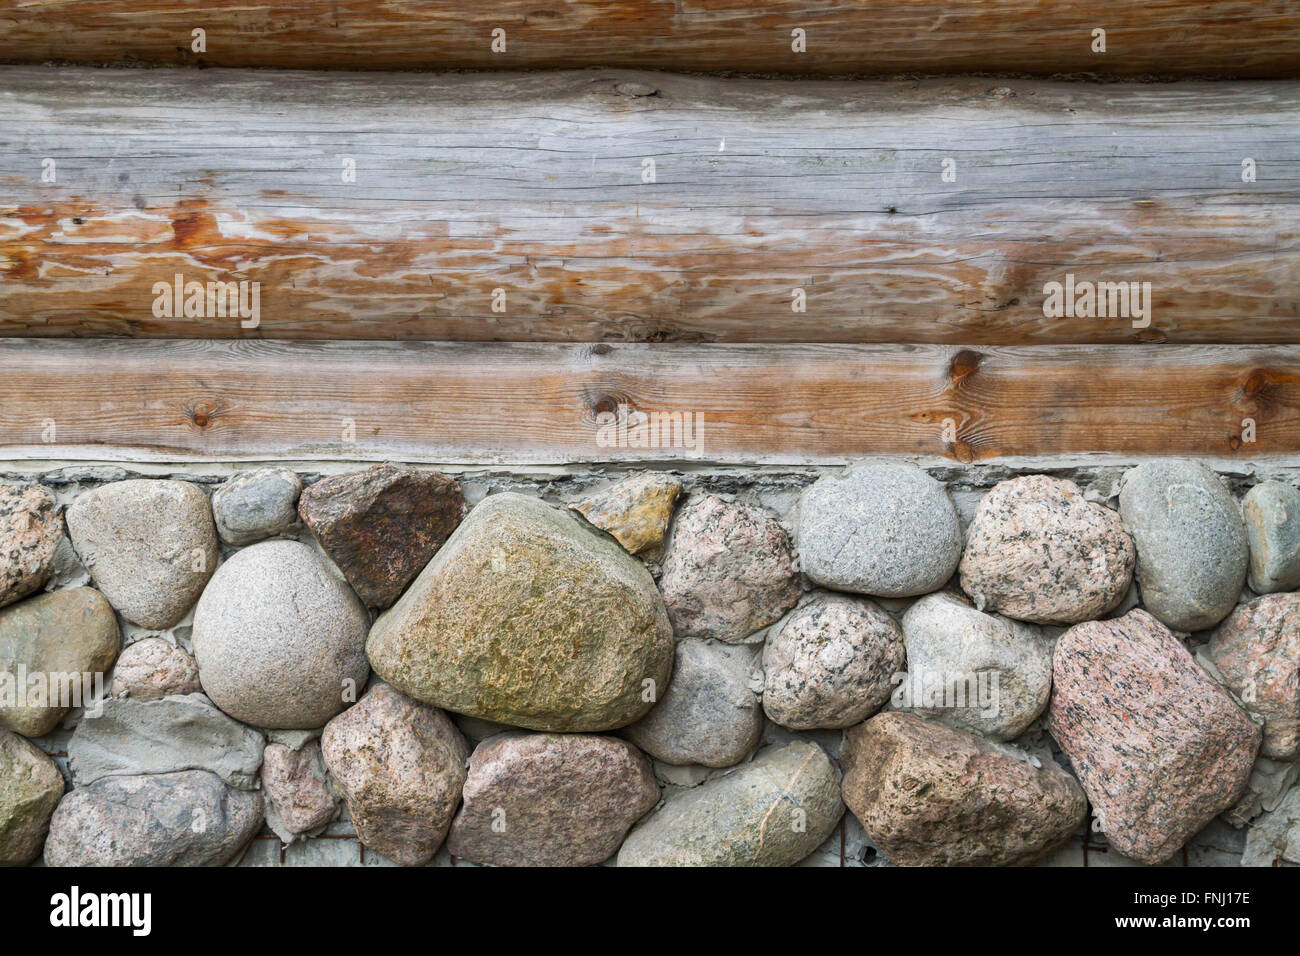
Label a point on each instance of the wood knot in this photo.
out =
(202, 414)
(963, 365)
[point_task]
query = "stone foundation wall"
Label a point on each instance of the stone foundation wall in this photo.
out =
(1112, 649)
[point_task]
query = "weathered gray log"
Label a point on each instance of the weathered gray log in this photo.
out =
(548, 403)
(520, 206)
(1234, 37)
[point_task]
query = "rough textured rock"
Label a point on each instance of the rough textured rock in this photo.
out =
(256, 504)
(996, 673)
(1272, 514)
(931, 795)
(189, 818)
(30, 788)
(1257, 650)
(149, 545)
(163, 736)
(1038, 551)
(831, 663)
(1191, 543)
(882, 528)
(550, 800)
(771, 812)
(1159, 747)
(528, 617)
(298, 799)
(279, 640)
(400, 766)
(709, 714)
(1276, 837)
(30, 531)
(152, 669)
(382, 525)
(49, 642)
(1269, 782)
(728, 571)
(635, 510)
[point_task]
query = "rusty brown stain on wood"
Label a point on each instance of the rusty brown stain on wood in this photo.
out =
(1236, 37)
(540, 403)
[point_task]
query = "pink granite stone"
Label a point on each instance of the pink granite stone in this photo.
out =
(1257, 650)
(1158, 745)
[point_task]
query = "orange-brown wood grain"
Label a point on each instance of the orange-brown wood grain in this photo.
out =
(533, 186)
(542, 403)
(1233, 37)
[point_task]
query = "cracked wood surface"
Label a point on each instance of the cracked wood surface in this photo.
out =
(541, 403)
(1235, 37)
(532, 184)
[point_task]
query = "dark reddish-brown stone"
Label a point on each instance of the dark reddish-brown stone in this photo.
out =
(1257, 650)
(931, 795)
(381, 526)
(1158, 745)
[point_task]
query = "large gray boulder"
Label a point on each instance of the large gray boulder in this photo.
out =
(149, 544)
(982, 672)
(279, 640)
(188, 818)
(529, 617)
(1272, 513)
(1191, 543)
(132, 737)
(772, 812)
(710, 714)
(881, 528)
(254, 505)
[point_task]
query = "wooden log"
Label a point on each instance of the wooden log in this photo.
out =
(516, 207)
(1234, 37)
(547, 403)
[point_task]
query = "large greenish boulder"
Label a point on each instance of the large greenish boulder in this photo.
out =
(30, 788)
(772, 812)
(55, 650)
(529, 617)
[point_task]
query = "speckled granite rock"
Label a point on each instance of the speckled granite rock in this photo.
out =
(400, 766)
(1257, 650)
(150, 545)
(882, 528)
(1158, 745)
(279, 640)
(528, 617)
(635, 510)
(709, 714)
(931, 795)
(771, 812)
(53, 639)
(30, 531)
(1191, 543)
(152, 669)
(298, 799)
(1272, 514)
(30, 789)
(728, 571)
(1038, 551)
(189, 818)
(164, 736)
(996, 673)
(256, 504)
(382, 525)
(550, 800)
(831, 663)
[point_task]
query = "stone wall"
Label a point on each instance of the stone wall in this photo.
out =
(1112, 648)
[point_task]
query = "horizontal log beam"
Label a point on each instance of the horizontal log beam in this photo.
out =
(516, 207)
(1236, 37)
(539, 403)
